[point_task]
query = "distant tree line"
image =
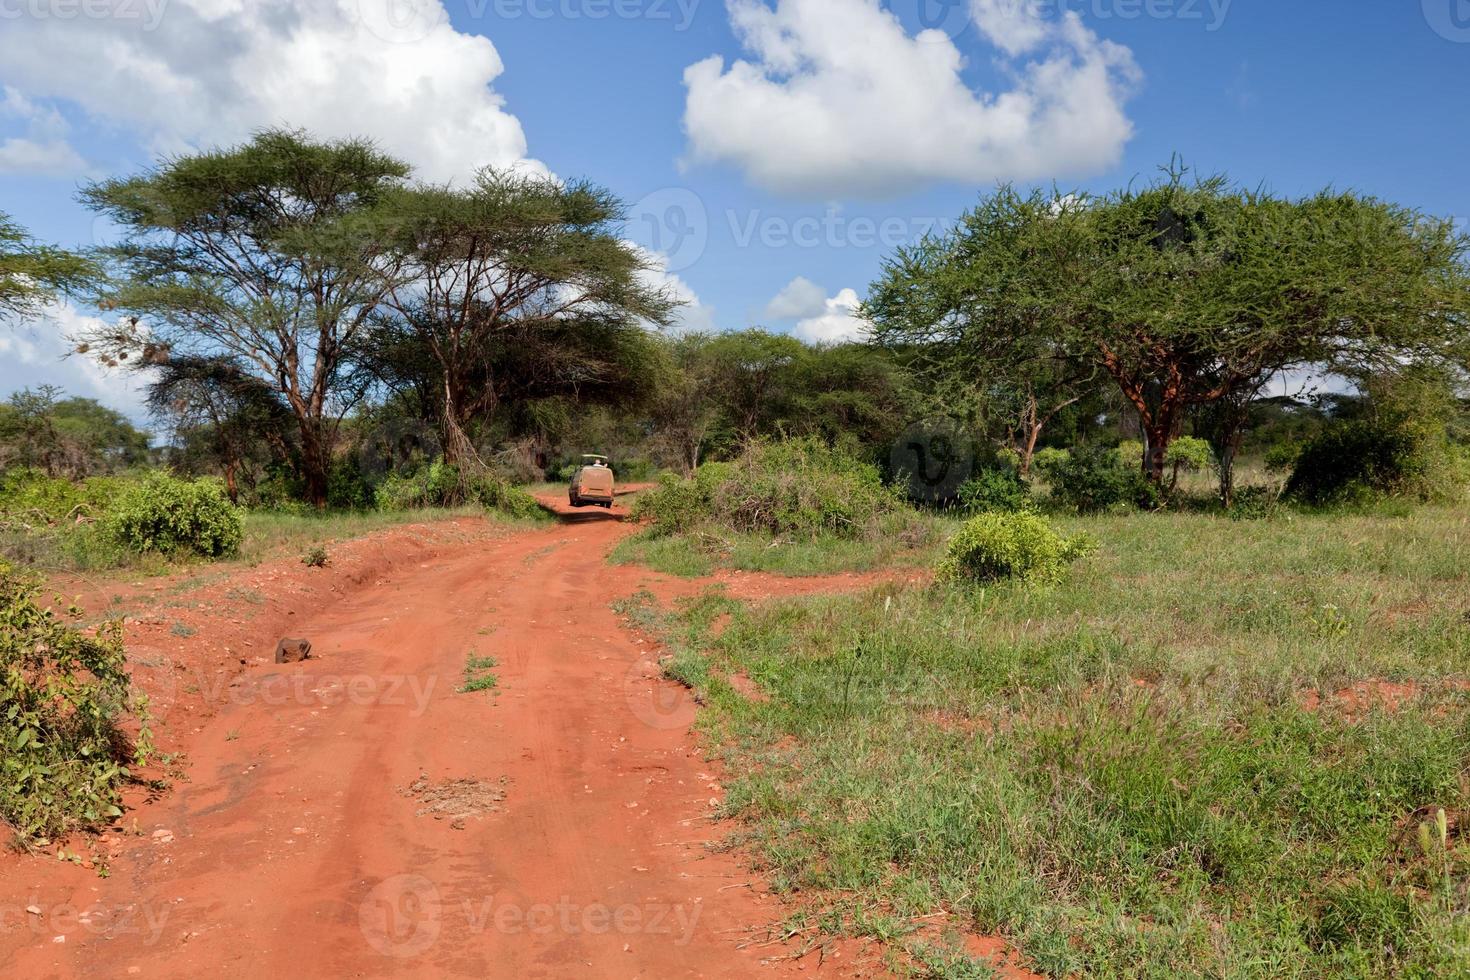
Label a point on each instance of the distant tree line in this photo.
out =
(298, 302)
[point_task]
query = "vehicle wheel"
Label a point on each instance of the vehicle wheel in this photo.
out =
(574, 502)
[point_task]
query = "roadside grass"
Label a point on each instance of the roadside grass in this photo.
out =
(1186, 759)
(269, 534)
(700, 554)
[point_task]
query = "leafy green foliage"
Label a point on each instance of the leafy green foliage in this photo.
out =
(500, 497)
(30, 493)
(63, 696)
(996, 546)
(477, 674)
(995, 488)
(436, 484)
(73, 437)
(316, 557)
(32, 275)
(1357, 461)
(1189, 454)
(174, 517)
(797, 487)
(1281, 457)
(1184, 292)
(1091, 480)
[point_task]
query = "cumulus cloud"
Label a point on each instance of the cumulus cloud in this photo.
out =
(838, 98)
(195, 73)
(37, 353)
(692, 316)
(799, 298)
(838, 322)
(44, 148)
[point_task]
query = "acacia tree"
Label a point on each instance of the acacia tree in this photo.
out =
(510, 266)
(272, 255)
(965, 306)
(33, 275)
(231, 409)
(1182, 293)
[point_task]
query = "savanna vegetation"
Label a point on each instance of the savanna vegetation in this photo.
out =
(1182, 472)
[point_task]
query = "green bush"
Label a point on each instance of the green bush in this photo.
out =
(1046, 462)
(1282, 457)
(63, 695)
(31, 494)
(347, 488)
(796, 487)
(435, 485)
(502, 498)
(1190, 455)
(1253, 503)
(677, 505)
(169, 516)
(995, 488)
(1091, 480)
(1355, 462)
(1021, 545)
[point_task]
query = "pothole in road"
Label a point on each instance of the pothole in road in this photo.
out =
(455, 800)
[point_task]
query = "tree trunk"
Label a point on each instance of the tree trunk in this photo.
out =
(314, 462)
(230, 486)
(1028, 450)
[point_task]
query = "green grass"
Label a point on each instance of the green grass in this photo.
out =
(269, 534)
(1124, 772)
(698, 555)
(477, 676)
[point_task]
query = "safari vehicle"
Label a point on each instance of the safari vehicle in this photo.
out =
(592, 484)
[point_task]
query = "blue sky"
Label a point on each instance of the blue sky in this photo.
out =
(771, 182)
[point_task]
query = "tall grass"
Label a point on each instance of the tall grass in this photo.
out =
(1146, 770)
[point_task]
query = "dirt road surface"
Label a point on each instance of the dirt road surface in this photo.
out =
(359, 816)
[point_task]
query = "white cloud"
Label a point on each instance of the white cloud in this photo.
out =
(837, 323)
(209, 72)
(36, 354)
(44, 148)
(839, 98)
(799, 298)
(691, 317)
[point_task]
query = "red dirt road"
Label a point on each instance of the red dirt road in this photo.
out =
(295, 847)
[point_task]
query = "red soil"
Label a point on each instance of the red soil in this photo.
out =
(356, 815)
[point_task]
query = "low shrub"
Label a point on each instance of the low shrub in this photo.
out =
(347, 487)
(996, 546)
(435, 485)
(1090, 480)
(1188, 454)
(1046, 462)
(502, 498)
(1281, 458)
(1254, 503)
(169, 516)
(1359, 461)
(63, 696)
(31, 494)
(995, 488)
(796, 487)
